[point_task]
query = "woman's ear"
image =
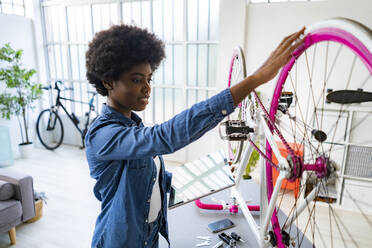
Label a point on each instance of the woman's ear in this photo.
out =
(107, 85)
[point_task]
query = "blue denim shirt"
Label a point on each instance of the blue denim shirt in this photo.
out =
(120, 154)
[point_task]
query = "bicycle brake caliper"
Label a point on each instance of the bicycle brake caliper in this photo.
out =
(285, 101)
(273, 241)
(285, 238)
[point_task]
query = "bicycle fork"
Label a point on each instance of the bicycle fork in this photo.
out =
(52, 121)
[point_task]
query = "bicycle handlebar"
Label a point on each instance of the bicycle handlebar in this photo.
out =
(57, 87)
(46, 87)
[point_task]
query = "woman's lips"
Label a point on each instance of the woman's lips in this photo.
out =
(145, 100)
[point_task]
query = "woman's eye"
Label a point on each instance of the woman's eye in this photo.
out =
(136, 80)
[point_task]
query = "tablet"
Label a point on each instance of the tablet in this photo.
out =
(200, 178)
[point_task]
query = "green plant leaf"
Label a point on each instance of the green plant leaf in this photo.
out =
(20, 92)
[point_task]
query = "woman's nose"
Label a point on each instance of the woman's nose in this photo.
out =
(147, 88)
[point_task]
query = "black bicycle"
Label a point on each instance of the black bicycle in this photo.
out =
(49, 125)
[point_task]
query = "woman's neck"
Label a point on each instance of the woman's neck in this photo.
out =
(119, 108)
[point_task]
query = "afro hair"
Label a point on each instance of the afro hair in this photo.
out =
(117, 50)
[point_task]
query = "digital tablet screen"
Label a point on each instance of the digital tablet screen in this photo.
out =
(200, 178)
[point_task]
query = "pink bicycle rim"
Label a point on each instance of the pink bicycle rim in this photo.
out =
(319, 35)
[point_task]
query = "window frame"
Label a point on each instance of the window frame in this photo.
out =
(149, 116)
(13, 4)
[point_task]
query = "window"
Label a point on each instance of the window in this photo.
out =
(278, 1)
(188, 28)
(13, 7)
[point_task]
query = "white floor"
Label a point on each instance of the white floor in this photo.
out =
(69, 217)
(334, 226)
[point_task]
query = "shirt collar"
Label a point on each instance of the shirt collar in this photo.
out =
(113, 114)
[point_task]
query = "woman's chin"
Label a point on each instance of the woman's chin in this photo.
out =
(140, 108)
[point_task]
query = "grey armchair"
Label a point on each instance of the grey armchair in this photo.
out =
(16, 201)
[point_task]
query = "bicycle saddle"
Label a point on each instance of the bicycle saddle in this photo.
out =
(349, 96)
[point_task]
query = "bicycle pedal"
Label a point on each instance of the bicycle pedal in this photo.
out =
(234, 130)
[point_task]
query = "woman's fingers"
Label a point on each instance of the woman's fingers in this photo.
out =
(296, 45)
(286, 38)
(288, 53)
(279, 57)
(289, 41)
(293, 43)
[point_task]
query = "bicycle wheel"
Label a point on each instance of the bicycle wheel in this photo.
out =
(49, 129)
(321, 109)
(236, 74)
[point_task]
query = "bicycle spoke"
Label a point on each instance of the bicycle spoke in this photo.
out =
(314, 131)
(300, 139)
(312, 92)
(324, 85)
(330, 225)
(294, 209)
(299, 107)
(311, 88)
(369, 76)
(329, 74)
(339, 113)
(337, 221)
(307, 224)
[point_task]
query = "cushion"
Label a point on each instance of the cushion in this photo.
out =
(10, 214)
(6, 190)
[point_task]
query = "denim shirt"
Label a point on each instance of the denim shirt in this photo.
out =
(120, 154)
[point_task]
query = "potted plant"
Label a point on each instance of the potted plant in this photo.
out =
(17, 93)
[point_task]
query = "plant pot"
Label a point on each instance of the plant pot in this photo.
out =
(25, 149)
(38, 211)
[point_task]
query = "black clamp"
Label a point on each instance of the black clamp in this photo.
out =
(232, 240)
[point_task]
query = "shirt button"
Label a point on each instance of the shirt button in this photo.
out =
(149, 200)
(145, 243)
(154, 179)
(146, 220)
(224, 112)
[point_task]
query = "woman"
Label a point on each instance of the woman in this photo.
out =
(124, 156)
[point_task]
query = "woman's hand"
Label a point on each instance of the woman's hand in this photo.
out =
(279, 57)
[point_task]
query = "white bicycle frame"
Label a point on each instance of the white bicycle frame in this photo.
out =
(262, 131)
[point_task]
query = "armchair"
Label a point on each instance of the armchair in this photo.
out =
(16, 201)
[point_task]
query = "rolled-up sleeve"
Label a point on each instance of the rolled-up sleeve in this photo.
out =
(110, 140)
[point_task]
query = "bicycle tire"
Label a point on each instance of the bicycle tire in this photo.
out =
(44, 135)
(357, 40)
(237, 73)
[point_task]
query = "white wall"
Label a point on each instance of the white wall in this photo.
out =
(255, 27)
(19, 32)
(231, 33)
(267, 24)
(258, 28)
